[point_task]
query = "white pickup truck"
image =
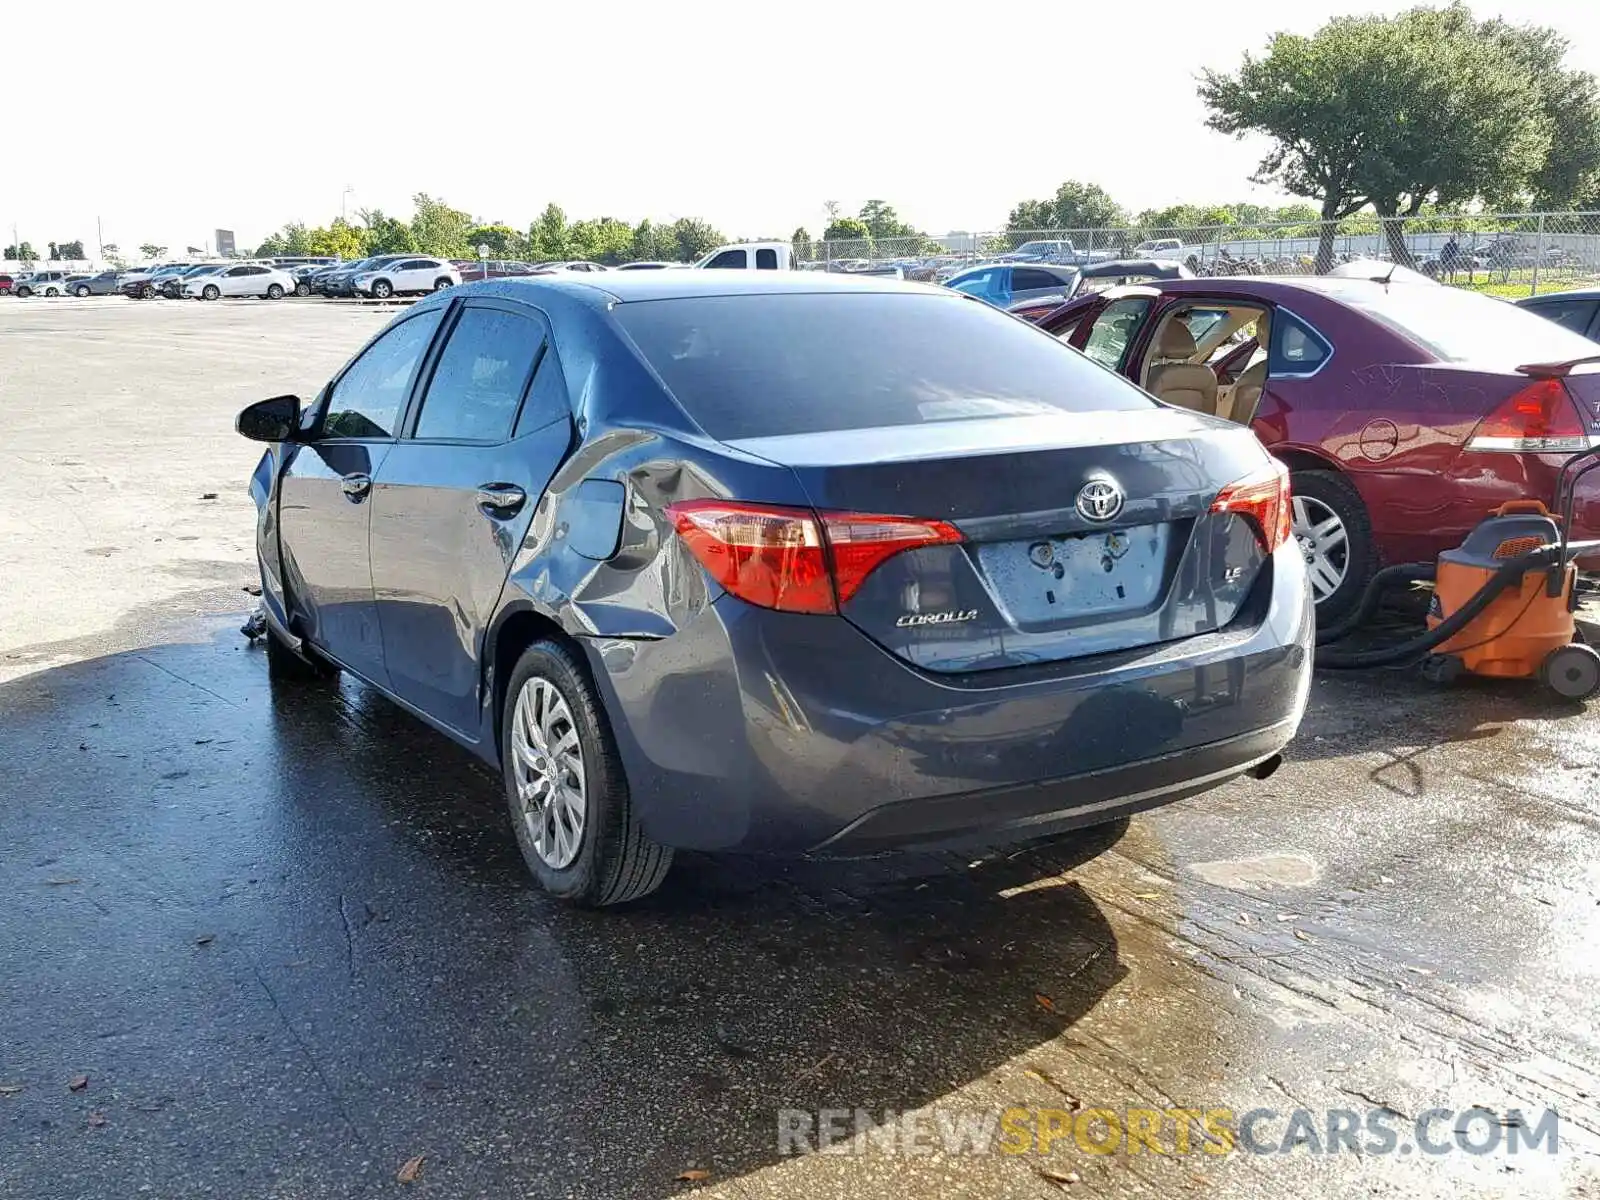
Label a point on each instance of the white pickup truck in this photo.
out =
(750, 256)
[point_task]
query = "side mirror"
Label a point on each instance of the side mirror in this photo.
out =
(274, 420)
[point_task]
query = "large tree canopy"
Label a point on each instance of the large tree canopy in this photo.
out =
(1427, 107)
(1074, 206)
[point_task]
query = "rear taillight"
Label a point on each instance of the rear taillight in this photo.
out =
(1540, 419)
(795, 559)
(1263, 496)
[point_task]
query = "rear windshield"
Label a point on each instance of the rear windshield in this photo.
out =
(791, 363)
(1461, 326)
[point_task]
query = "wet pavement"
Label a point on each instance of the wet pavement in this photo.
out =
(261, 940)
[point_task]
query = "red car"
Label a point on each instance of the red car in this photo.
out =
(1405, 412)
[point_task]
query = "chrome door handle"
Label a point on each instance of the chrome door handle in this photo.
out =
(501, 499)
(356, 486)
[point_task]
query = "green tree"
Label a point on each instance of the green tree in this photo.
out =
(651, 244)
(21, 252)
(846, 229)
(1074, 206)
(604, 239)
(340, 239)
(502, 240)
(882, 221)
(800, 240)
(151, 251)
(693, 239)
(1391, 112)
(440, 229)
(547, 236)
(384, 234)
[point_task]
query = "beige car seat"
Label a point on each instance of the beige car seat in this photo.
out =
(1247, 388)
(1181, 383)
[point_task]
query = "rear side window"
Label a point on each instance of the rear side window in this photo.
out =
(1461, 326)
(1576, 315)
(480, 377)
(1296, 347)
(766, 260)
(795, 363)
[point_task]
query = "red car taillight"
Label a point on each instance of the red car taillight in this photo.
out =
(1263, 496)
(1540, 419)
(795, 559)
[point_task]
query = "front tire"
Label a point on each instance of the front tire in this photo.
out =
(274, 292)
(1334, 534)
(51, 293)
(381, 289)
(565, 786)
(82, 293)
(211, 292)
(302, 289)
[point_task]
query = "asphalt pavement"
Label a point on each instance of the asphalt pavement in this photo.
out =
(270, 941)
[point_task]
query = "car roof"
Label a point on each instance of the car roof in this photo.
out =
(1281, 286)
(610, 287)
(1592, 293)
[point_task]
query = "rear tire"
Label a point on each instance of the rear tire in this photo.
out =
(1343, 565)
(283, 663)
(275, 292)
(441, 283)
(24, 292)
(51, 293)
(569, 762)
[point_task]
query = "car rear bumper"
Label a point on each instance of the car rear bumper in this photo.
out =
(755, 730)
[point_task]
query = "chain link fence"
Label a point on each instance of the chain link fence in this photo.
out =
(1506, 254)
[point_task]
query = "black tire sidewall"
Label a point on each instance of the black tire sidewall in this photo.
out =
(1340, 495)
(605, 816)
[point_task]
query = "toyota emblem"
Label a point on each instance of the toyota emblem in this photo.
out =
(1099, 500)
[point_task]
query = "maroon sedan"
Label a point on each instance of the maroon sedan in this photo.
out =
(1406, 412)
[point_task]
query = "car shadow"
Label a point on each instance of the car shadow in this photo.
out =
(234, 873)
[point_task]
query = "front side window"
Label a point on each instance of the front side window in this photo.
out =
(476, 387)
(1031, 279)
(727, 259)
(979, 283)
(1114, 330)
(368, 399)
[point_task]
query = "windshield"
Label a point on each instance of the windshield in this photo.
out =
(1460, 326)
(793, 363)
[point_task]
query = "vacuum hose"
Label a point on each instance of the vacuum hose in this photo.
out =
(1401, 573)
(1508, 574)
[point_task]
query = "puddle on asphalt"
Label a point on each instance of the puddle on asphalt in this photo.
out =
(1256, 874)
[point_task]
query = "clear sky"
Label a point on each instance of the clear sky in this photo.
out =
(167, 119)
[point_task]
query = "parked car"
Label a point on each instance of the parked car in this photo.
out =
(569, 265)
(107, 283)
(1578, 311)
(1005, 284)
(304, 275)
(1058, 250)
(42, 283)
(1405, 412)
(1096, 276)
(409, 276)
(477, 270)
(242, 279)
(171, 285)
(6, 284)
(647, 266)
(154, 284)
(727, 567)
(750, 256)
(338, 281)
(136, 280)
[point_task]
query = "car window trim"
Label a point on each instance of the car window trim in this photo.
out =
(1316, 333)
(325, 397)
(419, 391)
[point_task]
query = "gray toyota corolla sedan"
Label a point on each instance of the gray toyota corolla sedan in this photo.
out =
(779, 562)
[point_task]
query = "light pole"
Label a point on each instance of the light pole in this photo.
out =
(348, 191)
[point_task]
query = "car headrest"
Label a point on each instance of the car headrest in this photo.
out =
(1176, 341)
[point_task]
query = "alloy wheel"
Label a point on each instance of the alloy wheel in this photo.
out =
(1324, 542)
(547, 758)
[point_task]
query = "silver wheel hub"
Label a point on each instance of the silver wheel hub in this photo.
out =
(1324, 543)
(547, 762)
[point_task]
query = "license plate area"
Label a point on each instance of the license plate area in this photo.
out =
(1045, 582)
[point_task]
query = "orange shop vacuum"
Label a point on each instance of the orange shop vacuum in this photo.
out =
(1504, 601)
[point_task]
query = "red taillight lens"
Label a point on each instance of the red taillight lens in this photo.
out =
(1263, 496)
(860, 542)
(780, 557)
(766, 554)
(1541, 418)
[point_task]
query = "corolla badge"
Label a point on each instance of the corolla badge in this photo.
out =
(1099, 500)
(938, 618)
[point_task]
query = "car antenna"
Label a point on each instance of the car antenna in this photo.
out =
(1385, 280)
